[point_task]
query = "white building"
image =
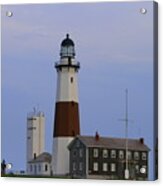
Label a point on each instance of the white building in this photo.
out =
(41, 165)
(36, 157)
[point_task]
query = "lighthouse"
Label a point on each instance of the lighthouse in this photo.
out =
(66, 117)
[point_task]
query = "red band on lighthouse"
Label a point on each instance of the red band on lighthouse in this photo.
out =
(66, 119)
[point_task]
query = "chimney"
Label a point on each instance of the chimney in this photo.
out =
(34, 156)
(141, 140)
(97, 137)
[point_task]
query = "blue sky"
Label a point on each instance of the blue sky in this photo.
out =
(113, 43)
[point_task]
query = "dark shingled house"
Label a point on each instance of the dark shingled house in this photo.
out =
(98, 157)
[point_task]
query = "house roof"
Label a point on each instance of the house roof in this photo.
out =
(44, 157)
(112, 143)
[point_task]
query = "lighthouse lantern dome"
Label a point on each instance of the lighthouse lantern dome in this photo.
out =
(67, 48)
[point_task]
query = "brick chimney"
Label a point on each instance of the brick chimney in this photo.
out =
(97, 137)
(141, 140)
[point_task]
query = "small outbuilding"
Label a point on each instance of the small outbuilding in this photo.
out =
(40, 165)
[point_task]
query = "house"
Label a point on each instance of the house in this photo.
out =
(40, 165)
(98, 157)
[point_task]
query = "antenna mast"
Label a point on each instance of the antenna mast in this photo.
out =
(126, 136)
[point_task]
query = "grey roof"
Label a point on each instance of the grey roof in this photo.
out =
(112, 143)
(44, 157)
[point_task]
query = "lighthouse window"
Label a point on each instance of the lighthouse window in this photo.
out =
(71, 79)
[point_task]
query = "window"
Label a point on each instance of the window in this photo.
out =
(31, 168)
(144, 156)
(105, 167)
(129, 155)
(137, 169)
(136, 155)
(74, 166)
(112, 167)
(95, 153)
(35, 169)
(80, 166)
(71, 79)
(113, 154)
(32, 128)
(95, 166)
(46, 167)
(74, 153)
(105, 153)
(121, 154)
(81, 152)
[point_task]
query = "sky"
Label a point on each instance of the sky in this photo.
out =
(114, 45)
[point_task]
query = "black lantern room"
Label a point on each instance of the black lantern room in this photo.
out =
(67, 48)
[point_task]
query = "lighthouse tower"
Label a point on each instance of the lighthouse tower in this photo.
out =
(66, 121)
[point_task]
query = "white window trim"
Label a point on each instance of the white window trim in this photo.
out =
(95, 153)
(113, 167)
(105, 167)
(105, 153)
(136, 155)
(113, 153)
(144, 157)
(74, 166)
(95, 166)
(121, 154)
(129, 155)
(81, 166)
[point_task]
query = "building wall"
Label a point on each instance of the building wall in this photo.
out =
(119, 163)
(39, 168)
(88, 161)
(78, 160)
(35, 135)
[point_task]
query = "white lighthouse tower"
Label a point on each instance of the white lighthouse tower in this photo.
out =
(66, 121)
